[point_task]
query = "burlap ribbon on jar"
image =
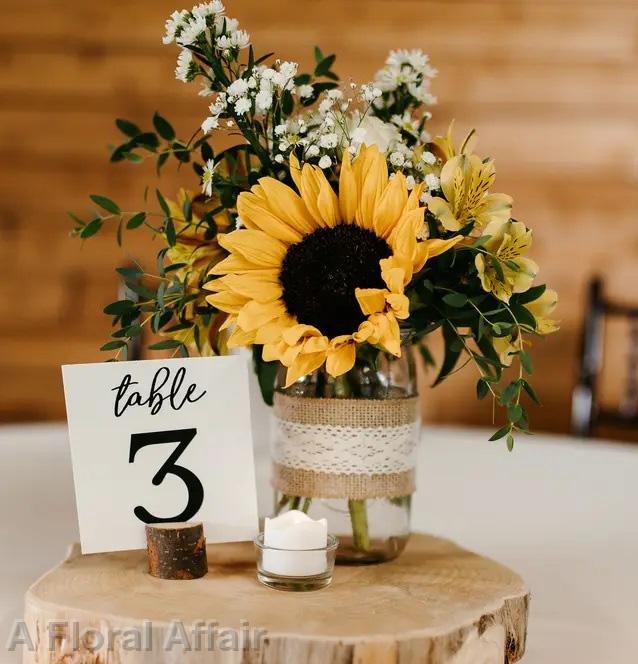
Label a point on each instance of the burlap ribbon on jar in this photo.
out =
(345, 448)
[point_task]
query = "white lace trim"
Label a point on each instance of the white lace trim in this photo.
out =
(339, 449)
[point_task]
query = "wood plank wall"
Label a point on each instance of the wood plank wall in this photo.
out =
(550, 85)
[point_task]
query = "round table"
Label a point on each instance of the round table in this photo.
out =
(558, 510)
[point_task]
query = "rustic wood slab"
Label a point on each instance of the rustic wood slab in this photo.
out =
(435, 604)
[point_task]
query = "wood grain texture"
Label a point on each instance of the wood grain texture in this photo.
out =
(436, 604)
(551, 86)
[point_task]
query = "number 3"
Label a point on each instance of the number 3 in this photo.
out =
(195, 489)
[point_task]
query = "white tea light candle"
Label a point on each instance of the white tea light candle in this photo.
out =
(294, 545)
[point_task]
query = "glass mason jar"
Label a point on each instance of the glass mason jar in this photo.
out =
(345, 451)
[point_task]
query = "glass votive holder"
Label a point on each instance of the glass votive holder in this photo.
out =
(297, 570)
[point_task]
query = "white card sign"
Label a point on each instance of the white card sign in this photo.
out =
(161, 440)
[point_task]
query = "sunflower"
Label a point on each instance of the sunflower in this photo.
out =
(315, 273)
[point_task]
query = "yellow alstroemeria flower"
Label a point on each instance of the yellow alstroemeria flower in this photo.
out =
(541, 308)
(192, 247)
(198, 254)
(465, 183)
(315, 273)
(445, 148)
(508, 242)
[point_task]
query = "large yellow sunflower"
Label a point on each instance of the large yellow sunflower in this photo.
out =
(315, 273)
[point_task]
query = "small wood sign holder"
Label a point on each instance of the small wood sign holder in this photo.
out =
(176, 551)
(435, 604)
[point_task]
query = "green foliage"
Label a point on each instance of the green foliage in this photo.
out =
(170, 301)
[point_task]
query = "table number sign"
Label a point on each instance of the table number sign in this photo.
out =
(161, 440)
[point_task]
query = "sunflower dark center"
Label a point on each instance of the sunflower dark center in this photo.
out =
(319, 276)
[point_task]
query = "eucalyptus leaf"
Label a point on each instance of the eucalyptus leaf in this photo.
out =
(165, 345)
(127, 128)
(163, 127)
(105, 203)
(91, 228)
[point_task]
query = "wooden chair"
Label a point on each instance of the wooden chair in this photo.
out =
(587, 413)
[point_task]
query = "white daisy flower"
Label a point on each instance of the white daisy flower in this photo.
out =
(192, 30)
(232, 25)
(184, 61)
(214, 8)
(207, 177)
(174, 22)
(240, 39)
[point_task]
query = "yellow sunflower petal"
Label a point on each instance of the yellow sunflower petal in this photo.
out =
(295, 170)
(255, 314)
(285, 204)
(437, 247)
(309, 190)
(400, 304)
(272, 332)
(348, 197)
(371, 300)
(371, 171)
(328, 204)
(256, 246)
(293, 334)
(303, 365)
(280, 351)
(256, 215)
(260, 285)
(319, 197)
(232, 264)
(391, 205)
(386, 332)
(240, 338)
(315, 344)
(394, 278)
(341, 355)
(231, 303)
(414, 199)
(272, 350)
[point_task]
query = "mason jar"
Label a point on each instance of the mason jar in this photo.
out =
(345, 450)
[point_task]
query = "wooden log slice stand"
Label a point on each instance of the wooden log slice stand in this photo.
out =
(435, 604)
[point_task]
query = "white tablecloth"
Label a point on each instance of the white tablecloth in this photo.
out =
(560, 511)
